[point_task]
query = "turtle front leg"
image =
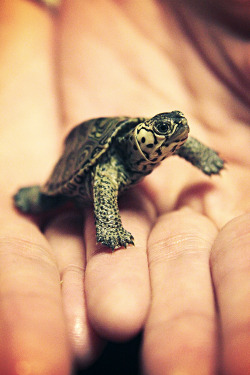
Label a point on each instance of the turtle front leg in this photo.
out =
(109, 229)
(201, 156)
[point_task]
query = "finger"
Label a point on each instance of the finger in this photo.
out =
(65, 236)
(180, 332)
(33, 337)
(117, 283)
(216, 200)
(29, 133)
(230, 269)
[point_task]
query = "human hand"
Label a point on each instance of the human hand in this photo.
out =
(43, 319)
(117, 285)
(179, 59)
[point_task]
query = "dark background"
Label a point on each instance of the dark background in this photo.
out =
(116, 359)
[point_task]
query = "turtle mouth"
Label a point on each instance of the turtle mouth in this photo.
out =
(180, 135)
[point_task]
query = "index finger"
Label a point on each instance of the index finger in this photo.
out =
(117, 283)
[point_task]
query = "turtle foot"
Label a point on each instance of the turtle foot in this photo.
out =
(201, 156)
(27, 199)
(30, 200)
(114, 237)
(214, 164)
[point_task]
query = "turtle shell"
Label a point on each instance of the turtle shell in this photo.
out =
(84, 145)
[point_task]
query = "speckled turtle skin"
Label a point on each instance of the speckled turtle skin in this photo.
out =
(104, 156)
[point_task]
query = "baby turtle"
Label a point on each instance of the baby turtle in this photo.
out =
(104, 156)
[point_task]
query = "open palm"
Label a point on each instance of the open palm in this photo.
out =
(185, 281)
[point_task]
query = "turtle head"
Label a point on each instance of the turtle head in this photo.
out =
(152, 140)
(160, 136)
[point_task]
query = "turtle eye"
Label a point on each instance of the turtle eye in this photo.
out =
(162, 128)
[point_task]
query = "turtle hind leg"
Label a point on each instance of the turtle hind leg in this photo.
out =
(30, 200)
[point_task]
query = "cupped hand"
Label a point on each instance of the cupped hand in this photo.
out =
(43, 321)
(190, 231)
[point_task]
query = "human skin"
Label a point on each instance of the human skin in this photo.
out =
(186, 281)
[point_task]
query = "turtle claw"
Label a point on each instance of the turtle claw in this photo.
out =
(214, 164)
(114, 238)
